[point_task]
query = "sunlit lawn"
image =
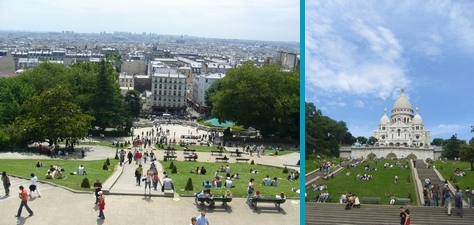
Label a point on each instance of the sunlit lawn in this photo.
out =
(447, 171)
(180, 179)
(24, 167)
(383, 180)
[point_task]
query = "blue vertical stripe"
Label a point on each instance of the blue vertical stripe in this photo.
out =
(302, 112)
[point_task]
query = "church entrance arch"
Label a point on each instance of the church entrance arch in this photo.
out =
(391, 155)
(371, 156)
(412, 156)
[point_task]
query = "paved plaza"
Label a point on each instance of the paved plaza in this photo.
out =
(126, 204)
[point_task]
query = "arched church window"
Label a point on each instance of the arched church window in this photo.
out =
(398, 132)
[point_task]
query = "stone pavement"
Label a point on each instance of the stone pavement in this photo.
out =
(126, 203)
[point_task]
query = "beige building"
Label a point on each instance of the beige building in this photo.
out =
(134, 67)
(126, 82)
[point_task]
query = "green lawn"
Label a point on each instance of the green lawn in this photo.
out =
(313, 162)
(180, 179)
(447, 171)
(24, 167)
(377, 187)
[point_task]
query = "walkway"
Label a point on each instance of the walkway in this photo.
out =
(122, 208)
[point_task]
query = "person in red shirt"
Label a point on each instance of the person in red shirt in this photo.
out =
(24, 202)
(101, 205)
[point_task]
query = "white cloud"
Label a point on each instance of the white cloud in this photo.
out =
(338, 104)
(359, 104)
(359, 57)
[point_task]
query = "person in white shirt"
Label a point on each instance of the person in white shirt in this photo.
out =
(81, 170)
(228, 183)
(34, 185)
(167, 184)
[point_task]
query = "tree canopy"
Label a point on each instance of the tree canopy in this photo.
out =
(51, 115)
(266, 98)
(51, 92)
(323, 134)
(452, 147)
(467, 153)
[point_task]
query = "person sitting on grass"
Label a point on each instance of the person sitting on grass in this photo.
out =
(48, 175)
(81, 170)
(222, 169)
(274, 182)
(228, 183)
(203, 170)
(253, 171)
(39, 164)
(236, 176)
(207, 184)
(267, 181)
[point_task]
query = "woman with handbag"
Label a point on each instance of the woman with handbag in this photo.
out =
(6, 182)
(250, 190)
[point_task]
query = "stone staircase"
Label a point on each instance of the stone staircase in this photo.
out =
(424, 173)
(333, 213)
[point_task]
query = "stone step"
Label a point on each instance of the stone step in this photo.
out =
(333, 213)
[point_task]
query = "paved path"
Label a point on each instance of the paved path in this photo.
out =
(128, 205)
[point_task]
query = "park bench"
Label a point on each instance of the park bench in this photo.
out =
(330, 198)
(188, 151)
(189, 158)
(218, 152)
(215, 199)
(237, 153)
(275, 201)
(242, 159)
(371, 199)
(222, 159)
(167, 152)
(402, 200)
(170, 157)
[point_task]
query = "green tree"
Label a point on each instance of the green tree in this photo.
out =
(265, 98)
(133, 102)
(438, 142)
(362, 140)
(211, 91)
(51, 115)
(467, 153)
(323, 134)
(372, 140)
(108, 107)
(452, 147)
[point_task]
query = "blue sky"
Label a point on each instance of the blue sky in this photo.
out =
(241, 19)
(359, 53)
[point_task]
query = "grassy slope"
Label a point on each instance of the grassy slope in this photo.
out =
(24, 167)
(382, 181)
(180, 179)
(446, 169)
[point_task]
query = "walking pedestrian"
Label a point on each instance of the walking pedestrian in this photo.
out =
(101, 205)
(448, 199)
(469, 197)
(193, 221)
(458, 198)
(407, 217)
(148, 178)
(24, 202)
(250, 190)
(98, 188)
(138, 174)
(6, 183)
(202, 219)
(403, 216)
(34, 186)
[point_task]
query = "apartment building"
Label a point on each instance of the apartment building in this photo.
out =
(201, 84)
(169, 92)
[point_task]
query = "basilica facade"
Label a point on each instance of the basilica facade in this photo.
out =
(403, 128)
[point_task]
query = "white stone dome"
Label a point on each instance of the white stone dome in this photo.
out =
(417, 118)
(402, 102)
(384, 119)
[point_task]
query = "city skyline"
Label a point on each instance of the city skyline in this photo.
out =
(246, 20)
(359, 55)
